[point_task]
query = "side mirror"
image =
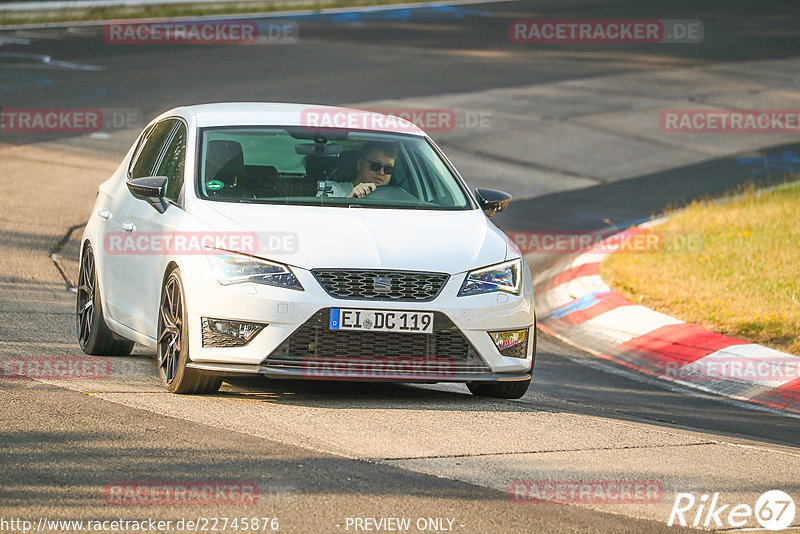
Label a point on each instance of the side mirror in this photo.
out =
(492, 201)
(151, 190)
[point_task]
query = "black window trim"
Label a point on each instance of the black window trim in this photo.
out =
(139, 147)
(163, 153)
(162, 149)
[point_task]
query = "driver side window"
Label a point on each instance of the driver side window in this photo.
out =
(150, 149)
(173, 164)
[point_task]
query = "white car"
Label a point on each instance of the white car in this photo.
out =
(240, 238)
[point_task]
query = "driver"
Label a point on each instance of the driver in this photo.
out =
(374, 168)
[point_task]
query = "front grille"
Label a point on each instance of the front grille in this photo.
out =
(314, 340)
(320, 342)
(399, 286)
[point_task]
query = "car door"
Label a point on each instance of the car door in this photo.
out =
(120, 262)
(149, 228)
(114, 201)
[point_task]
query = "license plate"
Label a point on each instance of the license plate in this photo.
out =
(381, 321)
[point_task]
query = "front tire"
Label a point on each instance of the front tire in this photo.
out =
(94, 336)
(173, 343)
(506, 390)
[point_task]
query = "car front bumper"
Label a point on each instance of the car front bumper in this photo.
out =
(285, 312)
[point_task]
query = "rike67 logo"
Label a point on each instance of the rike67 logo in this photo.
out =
(773, 510)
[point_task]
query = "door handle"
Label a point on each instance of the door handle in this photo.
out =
(128, 226)
(104, 214)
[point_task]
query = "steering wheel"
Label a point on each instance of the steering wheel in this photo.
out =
(391, 192)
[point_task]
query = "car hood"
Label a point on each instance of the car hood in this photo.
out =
(361, 238)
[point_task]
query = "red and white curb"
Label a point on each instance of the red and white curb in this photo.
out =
(575, 305)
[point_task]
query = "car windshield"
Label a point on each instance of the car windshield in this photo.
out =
(295, 165)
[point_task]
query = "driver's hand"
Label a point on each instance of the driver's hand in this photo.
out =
(362, 190)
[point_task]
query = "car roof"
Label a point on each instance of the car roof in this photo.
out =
(283, 114)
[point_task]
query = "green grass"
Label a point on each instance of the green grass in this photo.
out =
(744, 281)
(181, 10)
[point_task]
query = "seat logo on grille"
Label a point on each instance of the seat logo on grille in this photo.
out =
(382, 284)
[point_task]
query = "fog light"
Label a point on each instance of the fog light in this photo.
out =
(512, 343)
(224, 333)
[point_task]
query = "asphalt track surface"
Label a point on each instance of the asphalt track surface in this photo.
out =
(60, 444)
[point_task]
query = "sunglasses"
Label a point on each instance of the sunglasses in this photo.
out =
(377, 165)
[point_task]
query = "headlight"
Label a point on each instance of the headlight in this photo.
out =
(501, 277)
(233, 268)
